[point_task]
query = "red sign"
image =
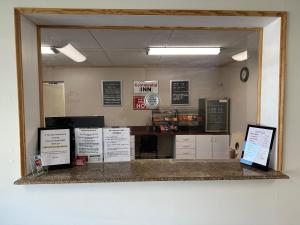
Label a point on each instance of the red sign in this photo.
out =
(138, 103)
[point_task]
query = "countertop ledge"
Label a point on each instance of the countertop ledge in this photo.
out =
(152, 170)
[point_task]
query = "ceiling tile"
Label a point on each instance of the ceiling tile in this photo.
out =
(131, 39)
(132, 58)
(128, 47)
(79, 38)
(206, 38)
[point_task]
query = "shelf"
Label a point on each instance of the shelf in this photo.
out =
(152, 170)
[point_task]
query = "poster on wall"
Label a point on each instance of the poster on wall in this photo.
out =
(140, 90)
(180, 92)
(111, 92)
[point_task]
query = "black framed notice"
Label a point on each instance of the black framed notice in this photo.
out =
(111, 92)
(258, 144)
(180, 92)
(55, 146)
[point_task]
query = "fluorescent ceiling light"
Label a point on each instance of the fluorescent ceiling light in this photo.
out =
(242, 56)
(47, 50)
(72, 53)
(183, 50)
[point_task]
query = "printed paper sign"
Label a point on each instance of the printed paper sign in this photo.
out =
(55, 147)
(89, 143)
(116, 144)
(257, 145)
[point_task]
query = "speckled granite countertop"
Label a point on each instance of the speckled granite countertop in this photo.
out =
(152, 170)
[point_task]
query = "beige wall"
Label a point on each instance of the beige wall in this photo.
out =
(83, 89)
(243, 96)
(261, 202)
(31, 90)
(84, 97)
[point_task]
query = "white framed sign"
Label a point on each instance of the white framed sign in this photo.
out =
(54, 146)
(145, 87)
(141, 89)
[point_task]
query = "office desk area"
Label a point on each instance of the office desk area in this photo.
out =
(192, 144)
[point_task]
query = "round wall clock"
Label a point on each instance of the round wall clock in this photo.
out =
(244, 74)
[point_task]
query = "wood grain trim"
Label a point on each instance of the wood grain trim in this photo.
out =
(260, 52)
(19, 11)
(40, 71)
(170, 12)
(18, 41)
(148, 27)
(282, 90)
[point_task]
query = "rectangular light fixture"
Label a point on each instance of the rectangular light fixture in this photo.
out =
(242, 56)
(47, 50)
(72, 53)
(184, 50)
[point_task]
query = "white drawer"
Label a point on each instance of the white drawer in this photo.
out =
(185, 145)
(185, 138)
(185, 151)
(185, 141)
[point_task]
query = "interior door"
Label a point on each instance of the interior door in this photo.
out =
(204, 146)
(54, 99)
(221, 147)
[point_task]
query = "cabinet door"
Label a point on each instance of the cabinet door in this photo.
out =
(221, 147)
(204, 146)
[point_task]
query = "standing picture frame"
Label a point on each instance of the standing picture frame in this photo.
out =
(54, 146)
(258, 146)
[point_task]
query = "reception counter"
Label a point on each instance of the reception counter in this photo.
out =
(152, 170)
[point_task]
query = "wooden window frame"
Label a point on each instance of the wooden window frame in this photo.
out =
(19, 11)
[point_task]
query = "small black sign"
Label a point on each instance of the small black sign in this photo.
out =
(179, 92)
(112, 93)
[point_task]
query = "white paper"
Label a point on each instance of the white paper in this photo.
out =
(116, 142)
(257, 145)
(132, 147)
(88, 142)
(55, 147)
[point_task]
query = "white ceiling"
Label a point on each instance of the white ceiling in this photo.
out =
(150, 20)
(107, 47)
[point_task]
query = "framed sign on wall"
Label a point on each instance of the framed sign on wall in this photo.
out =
(180, 92)
(140, 90)
(111, 92)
